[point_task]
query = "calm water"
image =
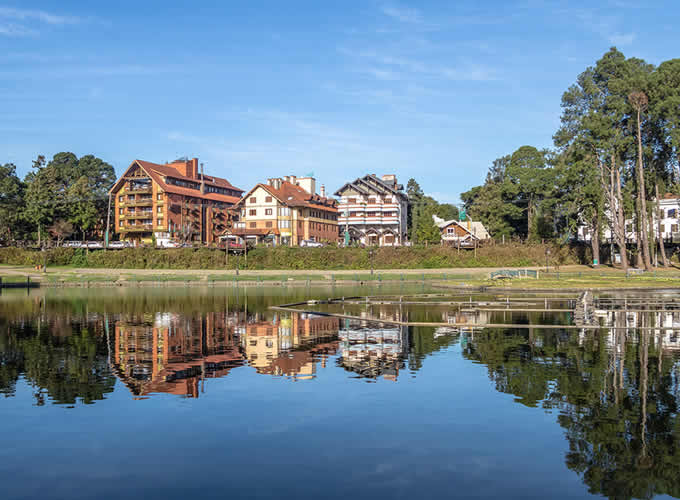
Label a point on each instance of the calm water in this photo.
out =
(173, 393)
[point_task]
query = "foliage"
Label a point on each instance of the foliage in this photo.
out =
(296, 258)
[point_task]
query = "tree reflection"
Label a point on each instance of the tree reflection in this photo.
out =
(616, 391)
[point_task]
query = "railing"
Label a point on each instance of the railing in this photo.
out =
(144, 202)
(136, 228)
(138, 190)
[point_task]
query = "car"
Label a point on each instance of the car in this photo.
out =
(311, 244)
(119, 244)
(94, 244)
(72, 244)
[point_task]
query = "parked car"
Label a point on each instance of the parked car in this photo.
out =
(94, 244)
(73, 244)
(119, 244)
(311, 243)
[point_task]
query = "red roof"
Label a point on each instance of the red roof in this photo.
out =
(160, 172)
(294, 196)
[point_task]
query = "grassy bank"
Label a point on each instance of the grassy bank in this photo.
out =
(295, 258)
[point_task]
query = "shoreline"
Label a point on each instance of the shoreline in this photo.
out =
(568, 278)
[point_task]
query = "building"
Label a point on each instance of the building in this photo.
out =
(373, 210)
(171, 202)
(174, 354)
(286, 211)
(666, 220)
(466, 234)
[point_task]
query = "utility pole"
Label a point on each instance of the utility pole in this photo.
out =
(108, 222)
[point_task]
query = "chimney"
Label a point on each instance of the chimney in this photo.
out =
(322, 191)
(308, 184)
(202, 181)
(194, 168)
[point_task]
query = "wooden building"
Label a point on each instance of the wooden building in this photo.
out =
(172, 202)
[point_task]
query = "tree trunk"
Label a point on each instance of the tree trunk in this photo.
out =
(642, 198)
(662, 247)
(38, 234)
(595, 239)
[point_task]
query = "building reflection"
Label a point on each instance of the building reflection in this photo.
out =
(373, 351)
(173, 354)
(291, 345)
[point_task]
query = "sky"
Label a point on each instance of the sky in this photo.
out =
(434, 90)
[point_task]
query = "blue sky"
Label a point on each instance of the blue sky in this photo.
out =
(431, 90)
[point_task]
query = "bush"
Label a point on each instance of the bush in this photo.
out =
(288, 258)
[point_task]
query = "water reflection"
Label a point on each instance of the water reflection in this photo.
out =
(613, 390)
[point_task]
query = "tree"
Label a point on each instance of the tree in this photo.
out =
(61, 230)
(415, 195)
(11, 201)
(530, 181)
(68, 188)
(640, 102)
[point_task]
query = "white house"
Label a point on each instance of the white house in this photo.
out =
(373, 210)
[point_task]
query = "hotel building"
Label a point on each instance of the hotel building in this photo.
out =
(373, 210)
(286, 211)
(171, 202)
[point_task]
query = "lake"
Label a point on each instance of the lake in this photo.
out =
(179, 392)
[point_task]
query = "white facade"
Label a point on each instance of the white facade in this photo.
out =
(668, 218)
(373, 210)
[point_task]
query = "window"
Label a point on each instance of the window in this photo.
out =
(253, 225)
(388, 199)
(284, 223)
(371, 200)
(389, 238)
(120, 211)
(268, 211)
(131, 197)
(672, 212)
(159, 210)
(674, 228)
(253, 199)
(450, 230)
(268, 199)
(252, 211)
(159, 221)
(269, 224)
(662, 228)
(284, 211)
(351, 200)
(121, 199)
(159, 196)
(120, 223)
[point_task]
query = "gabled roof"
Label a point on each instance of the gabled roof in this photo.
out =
(160, 172)
(477, 229)
(372, 183)
(294, 196)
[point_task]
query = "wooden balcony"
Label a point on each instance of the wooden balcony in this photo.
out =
(139, 228)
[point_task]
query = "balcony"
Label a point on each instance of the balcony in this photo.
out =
(139, 215)
(146, 202)
(138, 228)
(138, 190)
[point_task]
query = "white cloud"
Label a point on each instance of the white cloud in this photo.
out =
(38, 15)
(621, 39)
(11, 29)
(23, 22)
(403, 14)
